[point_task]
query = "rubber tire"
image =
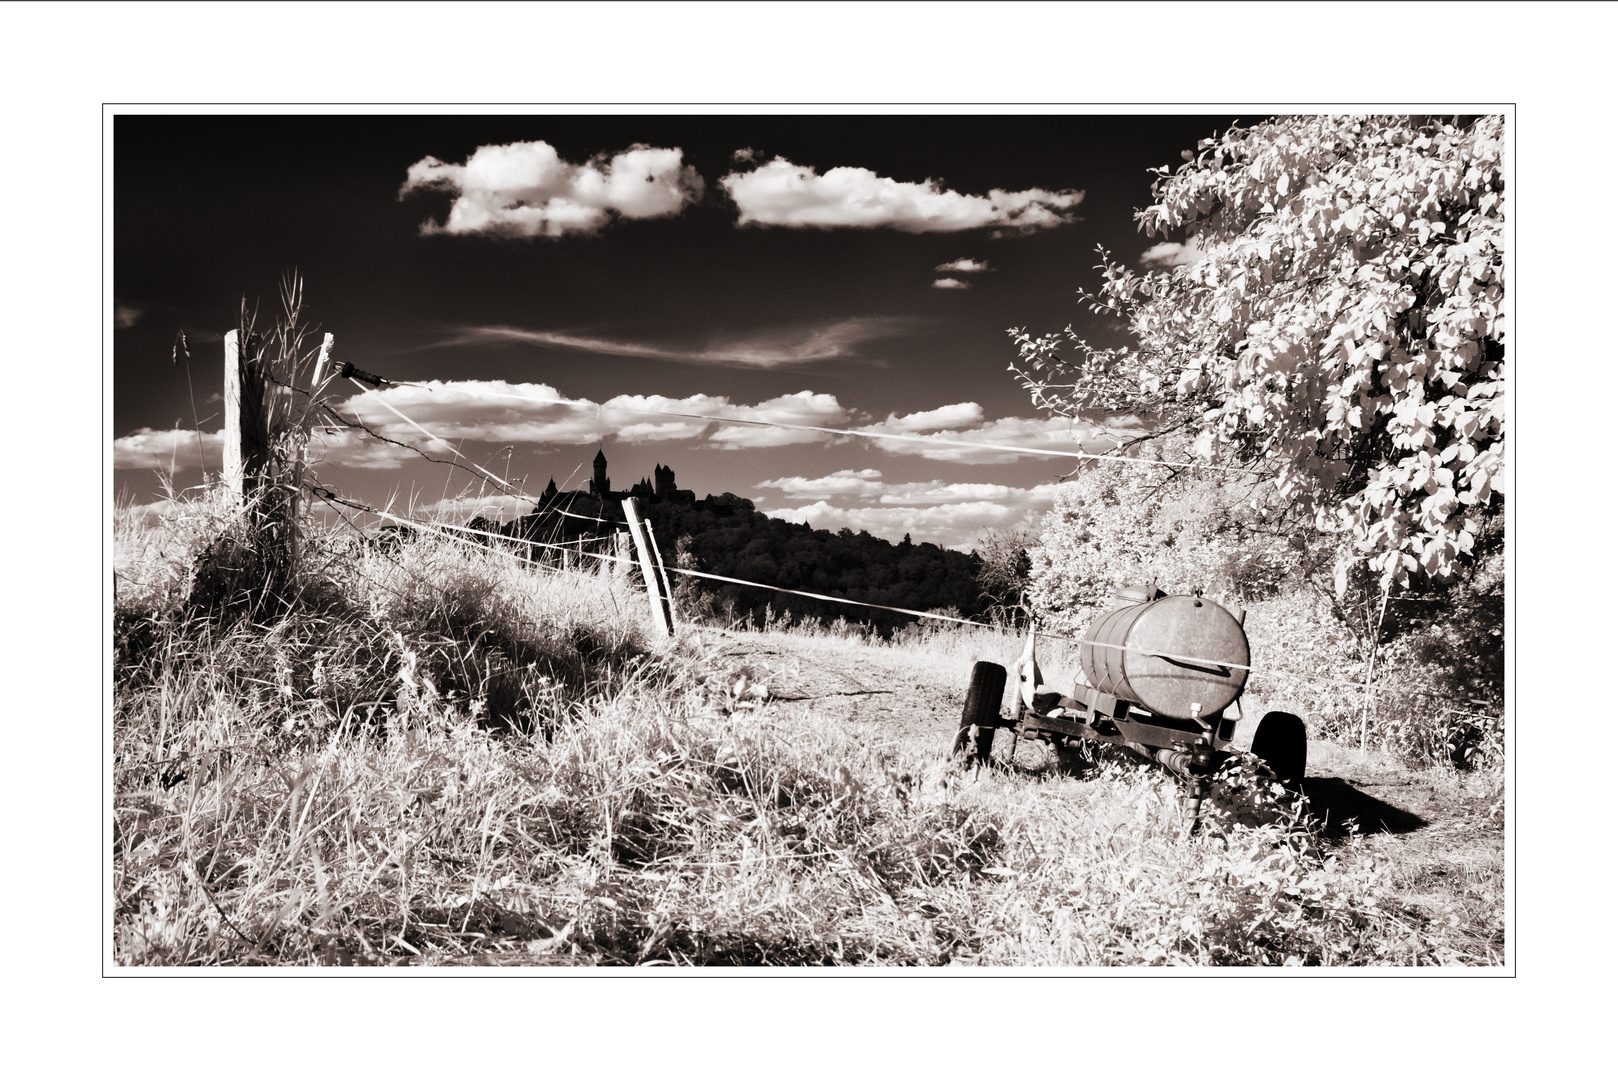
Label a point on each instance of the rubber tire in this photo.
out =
(983, 696)
(1282, 745)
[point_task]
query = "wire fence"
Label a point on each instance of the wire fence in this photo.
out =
(493, 539)
(496, 541)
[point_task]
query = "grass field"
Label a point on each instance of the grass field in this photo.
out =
(443, 757)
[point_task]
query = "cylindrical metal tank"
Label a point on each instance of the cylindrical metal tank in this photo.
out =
(1121, 654)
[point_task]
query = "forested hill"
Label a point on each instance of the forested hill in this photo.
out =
(727, 536)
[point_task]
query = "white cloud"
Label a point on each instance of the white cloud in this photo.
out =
(947, 514)
(950, 283)
(772, 348)
(804, 407)
(501, 412)
(850, 483)
(526, 189)
(168, 448)
(176, 448)
(478, 411)
(496, 411)
(965, 414)
(962, 266)
(937, 493)
(127, 315)
(795, 196)
(1051, 433)
(353, 449)
(953, 525)
(459, 509)
(1166, 256)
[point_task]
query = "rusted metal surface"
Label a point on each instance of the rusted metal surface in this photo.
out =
(1121, 655)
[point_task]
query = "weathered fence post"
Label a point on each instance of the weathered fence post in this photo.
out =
(233, 414)
(662, 574)
(245, 453)
(661, 619)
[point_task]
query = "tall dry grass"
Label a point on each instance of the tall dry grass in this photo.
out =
(440, 755)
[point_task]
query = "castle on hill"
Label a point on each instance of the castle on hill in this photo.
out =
(660, 488)
(598, 510)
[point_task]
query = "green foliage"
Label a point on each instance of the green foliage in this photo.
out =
(1342, 327)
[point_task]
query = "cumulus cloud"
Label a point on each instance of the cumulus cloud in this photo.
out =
(779, 347)
(526, 189)
(1167, 255)
(964, 414)
(804, 407)
(168, 448)
(479, 411)
(950, 283)
(952, 525)
(353, 449)
(796, 196)
(938, 493)
(847, 483)
(498, 411)
(947, 514)
(459, 509)
(964, 423)
(127, 315)
(962, 266)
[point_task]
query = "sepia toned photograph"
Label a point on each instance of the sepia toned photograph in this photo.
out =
(999, 539)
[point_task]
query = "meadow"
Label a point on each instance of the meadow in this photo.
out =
(430, 753)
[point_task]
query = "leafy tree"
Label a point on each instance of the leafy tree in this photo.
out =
(1003, 570)
(1112, 527)
(1336, 325)
(727, 536)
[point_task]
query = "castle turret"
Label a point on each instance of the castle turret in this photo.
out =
(600, 486)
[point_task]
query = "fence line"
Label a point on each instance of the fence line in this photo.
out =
(324, 493)
(860, 603)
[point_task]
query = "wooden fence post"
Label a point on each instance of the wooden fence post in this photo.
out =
(654, 588)
(662, 575)
(245, 453)
(233, 415)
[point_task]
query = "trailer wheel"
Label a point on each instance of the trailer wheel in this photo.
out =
(1281, 744)
(982, 712)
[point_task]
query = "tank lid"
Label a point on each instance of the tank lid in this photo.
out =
(1140, 594)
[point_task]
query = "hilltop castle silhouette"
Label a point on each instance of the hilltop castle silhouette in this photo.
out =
(661, 488)
(597, 509)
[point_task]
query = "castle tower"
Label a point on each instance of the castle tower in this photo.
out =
(663, 481)
(599, 486)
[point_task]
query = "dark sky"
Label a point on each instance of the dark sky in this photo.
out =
(208, 208)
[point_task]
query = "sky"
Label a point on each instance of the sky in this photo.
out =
(850, 272)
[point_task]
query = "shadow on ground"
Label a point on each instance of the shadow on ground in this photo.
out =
(1338, 804)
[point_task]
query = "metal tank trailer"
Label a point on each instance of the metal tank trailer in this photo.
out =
(1159, 672)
